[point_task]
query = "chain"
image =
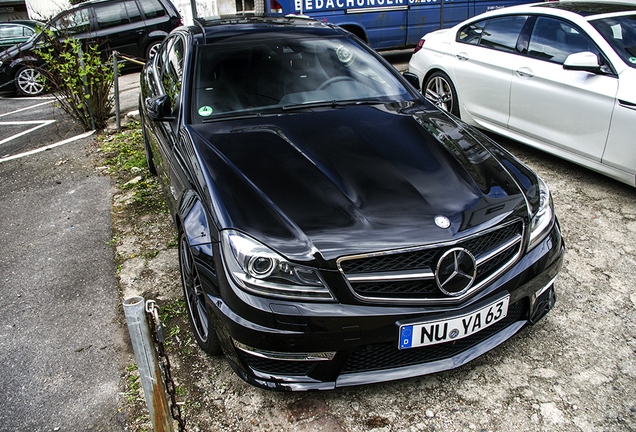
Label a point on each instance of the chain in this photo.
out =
(131, 59)
(159, 337)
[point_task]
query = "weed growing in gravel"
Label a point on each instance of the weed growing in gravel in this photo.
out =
(173, 309)
(126, 161)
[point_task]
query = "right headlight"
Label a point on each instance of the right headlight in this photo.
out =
(543, 219)
(258, 269)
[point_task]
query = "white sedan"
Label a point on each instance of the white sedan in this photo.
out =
(558, 76)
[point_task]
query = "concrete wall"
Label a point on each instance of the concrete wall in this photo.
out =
(43, 10)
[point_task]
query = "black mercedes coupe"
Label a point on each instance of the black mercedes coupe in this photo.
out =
(335, 228)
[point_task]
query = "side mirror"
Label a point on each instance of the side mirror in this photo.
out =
(582, 61)
(412, 79)
(159, 108)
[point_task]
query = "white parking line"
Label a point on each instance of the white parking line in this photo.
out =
(27, 108)
(39, 123)
(48, 147)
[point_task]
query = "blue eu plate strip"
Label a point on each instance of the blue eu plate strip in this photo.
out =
(406, 337)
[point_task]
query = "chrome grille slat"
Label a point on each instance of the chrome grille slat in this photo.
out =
(379, 278)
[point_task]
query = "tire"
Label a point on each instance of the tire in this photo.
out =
(200, 316)
(149, 162)
(440, 91)
(152, 49)
(29, 81)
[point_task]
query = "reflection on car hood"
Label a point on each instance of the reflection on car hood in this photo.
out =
(354, 180)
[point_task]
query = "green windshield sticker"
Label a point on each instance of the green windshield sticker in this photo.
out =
(205, 111)
(632, 60)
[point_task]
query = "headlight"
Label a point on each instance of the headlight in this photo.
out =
(543, 219)
(258, 269)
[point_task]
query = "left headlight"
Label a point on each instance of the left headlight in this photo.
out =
(258, 269)
(543, 219)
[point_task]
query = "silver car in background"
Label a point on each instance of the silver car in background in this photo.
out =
(558, 76)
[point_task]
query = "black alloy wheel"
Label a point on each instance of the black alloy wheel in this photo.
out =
(440, 91)
(152, 49)
(200, 317)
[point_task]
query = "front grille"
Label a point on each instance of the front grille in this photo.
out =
(488, 249)
(392, 262)
(414, 289)
(278, 367)
(388, 356)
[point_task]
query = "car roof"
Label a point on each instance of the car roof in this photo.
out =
(246, 27)
(588, 8)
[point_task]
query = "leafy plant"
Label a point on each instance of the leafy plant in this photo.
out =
(80, 78)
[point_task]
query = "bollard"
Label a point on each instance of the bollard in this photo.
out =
(148, 364)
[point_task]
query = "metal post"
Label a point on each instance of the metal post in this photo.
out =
(193, 7)
(148, 364)
(116, 89)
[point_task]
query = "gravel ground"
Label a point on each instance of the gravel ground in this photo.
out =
(573, 371)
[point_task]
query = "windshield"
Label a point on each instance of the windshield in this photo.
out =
(620, 33)
(276, 75)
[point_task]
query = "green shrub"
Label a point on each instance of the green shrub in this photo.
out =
(80, 77)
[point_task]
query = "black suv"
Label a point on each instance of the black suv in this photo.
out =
(132, 27)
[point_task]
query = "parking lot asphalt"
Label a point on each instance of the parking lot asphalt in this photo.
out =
(60, 342)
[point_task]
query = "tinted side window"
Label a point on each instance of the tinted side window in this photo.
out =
(162, 56)
(116, 14)
(152, 8)
(172, 72)
(10, 31)
(471, 33)
(73, 23)
(501, 33)
(554, 40)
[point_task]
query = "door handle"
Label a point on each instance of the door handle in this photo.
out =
(462, 56)
(525, 72)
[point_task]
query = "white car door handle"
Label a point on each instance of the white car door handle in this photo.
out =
(462, 56)
(525, 72)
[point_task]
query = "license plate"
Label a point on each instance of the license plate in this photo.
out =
(436, 332)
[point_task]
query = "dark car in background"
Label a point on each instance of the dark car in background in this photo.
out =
(16, 32)
(336, 228)
(133, 27)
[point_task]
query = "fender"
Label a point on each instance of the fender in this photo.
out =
(153, 36)
(22, 60)
(197, 229)
(195, 220)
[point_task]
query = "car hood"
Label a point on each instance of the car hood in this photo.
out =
(320, 184)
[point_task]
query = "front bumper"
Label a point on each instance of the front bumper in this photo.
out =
(319, 346)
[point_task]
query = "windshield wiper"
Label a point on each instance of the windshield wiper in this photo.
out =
(236, 116)
(333, 103)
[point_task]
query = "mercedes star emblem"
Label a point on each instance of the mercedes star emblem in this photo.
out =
(442, 222)
(456, 271)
